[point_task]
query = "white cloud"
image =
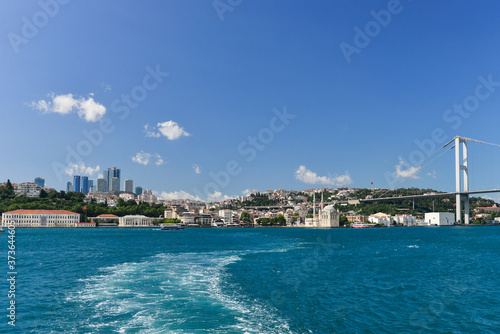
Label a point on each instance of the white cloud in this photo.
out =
(197, 169)
(308, 176)
(107, 88)
(81, 169)
(88, 109)
(145, 158)
(218, 197)
(247, 192)
(176, 195)
(169, 129)
(408, 173)
(433, 174)
(150, 132)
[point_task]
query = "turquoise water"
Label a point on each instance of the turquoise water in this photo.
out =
(262, 280)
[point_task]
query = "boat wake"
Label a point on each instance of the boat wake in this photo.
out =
(181, 293)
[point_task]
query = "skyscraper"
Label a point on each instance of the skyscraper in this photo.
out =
(102, 185)
(115, 184)
(76, 183)
(109, 174)
(40, 181)
(69, 187)
(138, 190)
(85, 185)
(129, 186)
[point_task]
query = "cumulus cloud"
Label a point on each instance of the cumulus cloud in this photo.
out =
(150, 131)
(433, 174)
(307, 176)
(86, 108)
(145, 158)
(218, 197)
(176, 195)
(197, 169)
(81, 169)
(169, 129)
(408, 173)
(247, 192)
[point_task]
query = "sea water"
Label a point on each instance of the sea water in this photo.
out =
(260, 280)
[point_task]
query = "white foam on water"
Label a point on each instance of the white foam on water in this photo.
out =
(169, 291)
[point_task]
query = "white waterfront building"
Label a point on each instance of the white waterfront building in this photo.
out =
(226, 216)
(135, 221)
(40, 218)
(440, 218)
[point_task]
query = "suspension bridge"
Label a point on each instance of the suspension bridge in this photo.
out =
(462, 192)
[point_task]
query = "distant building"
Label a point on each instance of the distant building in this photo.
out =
(91, 184)
(328, 217)
(138, 190)
(109, 174)
(40, 218)
(69, 187)
(129, 186)
(187, 217)
(440, 218)
(405, 220)
(115, 184)
(102, 185)
(380, 218)
(40, 181)
(85, 185)
(135, 221)
(226, 216)
(28, 189)
(76, 183)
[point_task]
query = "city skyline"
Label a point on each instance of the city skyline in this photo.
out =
(253, 98)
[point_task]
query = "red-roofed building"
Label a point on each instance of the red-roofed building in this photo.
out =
(40, 218)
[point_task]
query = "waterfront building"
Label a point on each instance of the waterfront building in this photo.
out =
(226, 216)
(405, 220)
(380, 218)
(138, 190)
(129, 186)
(85, 185)
(109, 174)
(357, 218)
(135, 221)
(28, 189)
(328, 217)
(76, 183)
(187, 218)
(440, 218)
(40, 218)
(102, 185)
(115, 184)
(40, 181)
(204, 220)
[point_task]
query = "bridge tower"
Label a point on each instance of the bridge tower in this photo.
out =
(462, 166)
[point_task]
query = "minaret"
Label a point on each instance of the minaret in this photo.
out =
(314, 206)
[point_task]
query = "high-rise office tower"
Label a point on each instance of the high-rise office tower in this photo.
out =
(76, 183)
(115, 184)
(40, 181)
(138, 190)
(109, 174)
(85, 185)
(102, 185)
(129, 186)
(69, 187)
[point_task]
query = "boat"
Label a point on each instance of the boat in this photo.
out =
(172, 227)
(361, 225)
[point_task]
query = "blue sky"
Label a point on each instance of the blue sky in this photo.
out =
(230, 96)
